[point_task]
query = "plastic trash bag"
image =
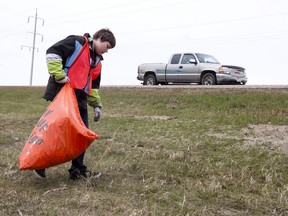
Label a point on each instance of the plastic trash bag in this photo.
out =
(59, 136)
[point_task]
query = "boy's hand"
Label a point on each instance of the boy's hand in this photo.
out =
(64, 80)
(97, 113)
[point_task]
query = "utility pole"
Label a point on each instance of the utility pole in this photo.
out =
(34, 42)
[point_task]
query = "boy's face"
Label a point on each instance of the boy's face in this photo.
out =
(100, 47)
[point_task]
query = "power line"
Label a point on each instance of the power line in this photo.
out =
(212, 40)
(101, 9)
(121, 13)
(208, 23)
(178, 26)
(157, 29)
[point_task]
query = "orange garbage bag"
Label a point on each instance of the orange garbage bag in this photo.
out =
(59, 136)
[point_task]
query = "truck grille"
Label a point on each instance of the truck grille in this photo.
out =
(238, 72)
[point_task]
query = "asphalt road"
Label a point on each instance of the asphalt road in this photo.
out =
(203, 87)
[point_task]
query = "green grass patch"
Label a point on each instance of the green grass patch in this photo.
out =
(162, 151)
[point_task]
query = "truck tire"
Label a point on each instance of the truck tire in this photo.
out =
(208, 79)
(150, 80)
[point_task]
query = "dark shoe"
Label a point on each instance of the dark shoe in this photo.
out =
(75, 174)
(40, 173)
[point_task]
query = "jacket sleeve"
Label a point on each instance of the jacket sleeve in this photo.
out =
(55, 66)
(57, 55)
(94, 99)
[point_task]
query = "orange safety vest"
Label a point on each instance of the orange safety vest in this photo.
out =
(80, 72)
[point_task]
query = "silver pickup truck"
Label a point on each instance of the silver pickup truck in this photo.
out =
(191, 68)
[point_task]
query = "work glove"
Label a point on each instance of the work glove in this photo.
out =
(97, 113)
(64, 80)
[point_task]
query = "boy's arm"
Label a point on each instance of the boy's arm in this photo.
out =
(57, 55)
(94, 99)
(55, 66)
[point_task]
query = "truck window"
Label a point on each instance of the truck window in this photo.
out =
(204, 58)
(175, 59)
(186, 58)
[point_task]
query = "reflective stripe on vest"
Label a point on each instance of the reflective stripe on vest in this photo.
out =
(94, 73)
(80, 71)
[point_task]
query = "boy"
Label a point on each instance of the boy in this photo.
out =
(77, 59)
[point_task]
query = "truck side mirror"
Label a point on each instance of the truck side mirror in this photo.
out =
(192, 61)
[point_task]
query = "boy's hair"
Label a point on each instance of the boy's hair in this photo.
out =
(106, 35)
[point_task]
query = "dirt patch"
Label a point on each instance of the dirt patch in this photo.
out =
(270, 136)
(152, 117)
(273, 137)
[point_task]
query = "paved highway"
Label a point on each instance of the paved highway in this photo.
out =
(204, 88)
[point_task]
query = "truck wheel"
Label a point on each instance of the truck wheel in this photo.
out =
(150, 80)
(208, 79)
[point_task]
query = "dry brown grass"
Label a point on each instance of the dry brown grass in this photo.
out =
(162, 152)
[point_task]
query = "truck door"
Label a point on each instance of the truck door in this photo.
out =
(190, 72)
(183, 71)
(172, 69)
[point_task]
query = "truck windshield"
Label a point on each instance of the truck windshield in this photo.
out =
(204, 58)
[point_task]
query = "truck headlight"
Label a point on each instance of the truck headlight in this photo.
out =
(224, 70)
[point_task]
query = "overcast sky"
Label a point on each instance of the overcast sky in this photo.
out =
(248, 33)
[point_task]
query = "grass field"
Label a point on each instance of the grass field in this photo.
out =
(162, 151)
